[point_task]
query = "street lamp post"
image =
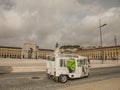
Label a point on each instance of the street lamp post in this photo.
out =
(116, 55)
(100, 26)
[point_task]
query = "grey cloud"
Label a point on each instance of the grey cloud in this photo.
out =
(110, 3)
(51, 21)
(6, 4)
(86, 1)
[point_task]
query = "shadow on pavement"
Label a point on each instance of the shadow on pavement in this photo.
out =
(5, 69)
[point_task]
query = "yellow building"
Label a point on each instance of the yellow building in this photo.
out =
(29, 51)
(16, 52)
(10, 52)
(111, 52)
(96, 53)
(42, 53)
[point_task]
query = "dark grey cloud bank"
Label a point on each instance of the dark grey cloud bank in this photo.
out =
(63, 21)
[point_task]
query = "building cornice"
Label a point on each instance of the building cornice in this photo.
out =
(10, 47)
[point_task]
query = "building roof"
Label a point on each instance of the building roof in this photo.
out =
(46, 49)
(106, 47)
(21, 48)
(70, 47)
(10, 47)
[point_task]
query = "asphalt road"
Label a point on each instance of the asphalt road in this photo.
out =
(39, 81)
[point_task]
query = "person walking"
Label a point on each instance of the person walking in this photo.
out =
(89, 59)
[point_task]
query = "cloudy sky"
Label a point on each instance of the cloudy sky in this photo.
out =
(68, 22)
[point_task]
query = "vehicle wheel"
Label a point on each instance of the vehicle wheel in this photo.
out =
(56, 79)
(63, 78)
(49, 76)
(88, 75)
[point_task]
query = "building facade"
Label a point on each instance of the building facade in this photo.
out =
(95, 53)
(10, 52)
(107, 53)
(29, 51)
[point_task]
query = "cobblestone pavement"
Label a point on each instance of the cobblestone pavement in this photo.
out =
(39, 81)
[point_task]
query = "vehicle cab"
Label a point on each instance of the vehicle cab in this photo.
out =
(61, 67)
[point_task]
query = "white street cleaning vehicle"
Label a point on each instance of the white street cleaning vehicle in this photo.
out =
(61, 67)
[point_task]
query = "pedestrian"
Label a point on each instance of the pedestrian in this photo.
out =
(88, 59)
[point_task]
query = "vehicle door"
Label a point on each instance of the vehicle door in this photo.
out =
(85, 68)
(78, 71)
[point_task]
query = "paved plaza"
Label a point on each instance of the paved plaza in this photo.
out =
(110, 84)
(33, 65)
(24, 66)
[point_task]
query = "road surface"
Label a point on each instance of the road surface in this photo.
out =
(39, 81)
